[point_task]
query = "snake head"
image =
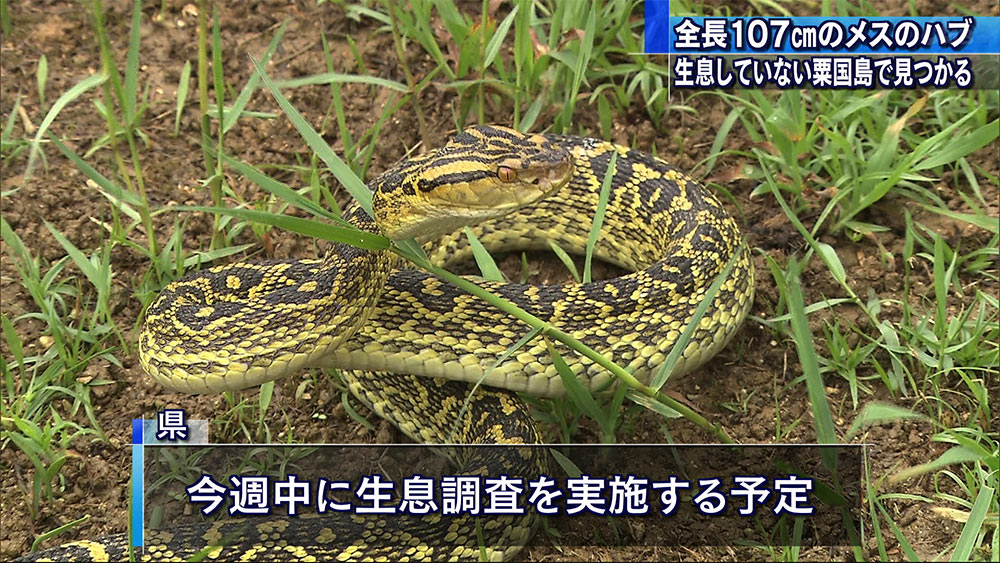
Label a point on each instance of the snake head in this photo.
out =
(482, 173)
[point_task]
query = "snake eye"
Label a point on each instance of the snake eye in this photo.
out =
(506, 174)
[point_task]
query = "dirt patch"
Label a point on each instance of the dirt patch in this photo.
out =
(743, 388)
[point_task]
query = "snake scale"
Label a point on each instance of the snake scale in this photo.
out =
(408, 344)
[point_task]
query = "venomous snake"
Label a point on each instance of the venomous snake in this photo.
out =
(408, 344)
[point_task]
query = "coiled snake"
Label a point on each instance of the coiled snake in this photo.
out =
(390, 330)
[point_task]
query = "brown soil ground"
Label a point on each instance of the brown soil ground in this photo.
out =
(751, 373)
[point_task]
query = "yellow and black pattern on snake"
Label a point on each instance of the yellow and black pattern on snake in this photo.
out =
(391, 329)
(240, 325)
(658, 222)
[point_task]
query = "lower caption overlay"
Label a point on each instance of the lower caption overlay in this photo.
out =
(639, 495)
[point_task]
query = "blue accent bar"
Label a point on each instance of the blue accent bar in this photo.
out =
(138, 501)
(657, 32)
(137, 431)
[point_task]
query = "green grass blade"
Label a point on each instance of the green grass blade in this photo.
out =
(579, 72)
(42, 77)
(487, 266)
(602, 207)
(822, 417)
(182, 94)
(721, 136)
(280, 190)
(315, 229)
(952, 151)
(68, 96)
(566, 464)
(675, 353)
(874, 413)
(940, 281)
(853, 105)
(575, 390)
(829, 256)
(112, 191)
(970, 531)
(345, 399)
(493, 47)
(16, 248)
(524, 340)
(531, 115)
(207, 256)
(8, 128)
(889, 145)
(338, 78)
(412, 247)
(89, 269)
(813, 243)
(131, 85)
(903, 542)
(566, 259)
(13, 341)
(42, 538)
(218, 72)
(251, 86)
(5, 24)
(338, 167)
(652, 404)
(622, 374)
(982, 221)
(957, 454)
(817, 306)
(604, 116)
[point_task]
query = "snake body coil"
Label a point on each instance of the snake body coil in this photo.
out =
(392, 330)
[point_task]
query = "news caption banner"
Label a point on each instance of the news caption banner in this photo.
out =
(647, 494)
(826, 53)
